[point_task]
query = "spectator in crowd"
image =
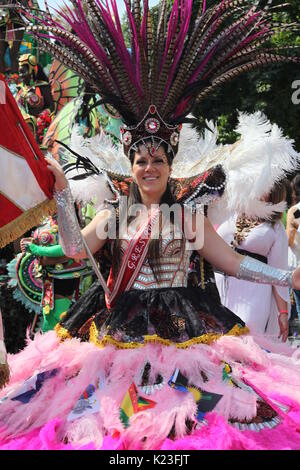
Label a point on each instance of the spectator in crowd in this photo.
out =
(264, 308)
(293, 234)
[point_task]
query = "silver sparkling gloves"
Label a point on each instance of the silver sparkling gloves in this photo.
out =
(68, 226)
(252, 270)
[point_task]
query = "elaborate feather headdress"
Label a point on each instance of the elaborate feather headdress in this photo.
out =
(171, 66)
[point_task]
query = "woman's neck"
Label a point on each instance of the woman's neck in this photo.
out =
(150, 199)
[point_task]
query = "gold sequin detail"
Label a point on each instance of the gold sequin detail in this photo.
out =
(61, 332)
(244, 225)
(154, 339)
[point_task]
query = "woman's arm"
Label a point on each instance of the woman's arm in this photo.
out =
(71, 238)
(283, 319)
(94, 232)
(216, 251)
(220, 255)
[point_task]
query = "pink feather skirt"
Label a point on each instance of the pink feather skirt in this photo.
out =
(237, 392)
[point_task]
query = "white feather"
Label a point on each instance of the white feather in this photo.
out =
(262, 157)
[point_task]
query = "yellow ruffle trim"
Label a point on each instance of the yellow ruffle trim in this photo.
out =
(31, 218)
(154, 339)
(62, 333)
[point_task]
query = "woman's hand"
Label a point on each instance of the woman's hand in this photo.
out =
(283, 326)
(55, 168)
(24, 242)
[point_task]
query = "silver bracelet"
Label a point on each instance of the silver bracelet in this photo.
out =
(68, 226)
(253, 270)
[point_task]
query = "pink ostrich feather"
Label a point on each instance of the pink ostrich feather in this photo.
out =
(186, 13)
(172, 26)
(248, 20)
(82, 364)
(45, 438)
(219, 435)
(144, 25)
(134, 45)
(118, 40)
(79, 24)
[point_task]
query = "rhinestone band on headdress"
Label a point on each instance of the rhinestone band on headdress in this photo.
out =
(151, 131)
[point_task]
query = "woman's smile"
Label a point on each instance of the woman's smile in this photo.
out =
(150, 178)
(151, 172)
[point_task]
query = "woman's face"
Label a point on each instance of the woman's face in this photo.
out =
(151, 173)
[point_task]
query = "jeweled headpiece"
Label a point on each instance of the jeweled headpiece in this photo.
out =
(152, 131)
(170, 66)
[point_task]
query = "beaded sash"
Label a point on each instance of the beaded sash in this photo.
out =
(132, 260)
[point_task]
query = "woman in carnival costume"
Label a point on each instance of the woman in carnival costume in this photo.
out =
(170, 367)
(265, 309)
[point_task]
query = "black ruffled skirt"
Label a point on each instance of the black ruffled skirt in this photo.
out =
(181, 315)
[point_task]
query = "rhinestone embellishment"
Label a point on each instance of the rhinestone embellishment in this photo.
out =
(152, 109)
(127, 138)
(152, 125)
(174, 139)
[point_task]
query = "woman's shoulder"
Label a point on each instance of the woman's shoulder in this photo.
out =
(228, 226)
(279, 229)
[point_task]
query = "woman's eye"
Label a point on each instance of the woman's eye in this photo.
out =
(141, 162)
(159, 160)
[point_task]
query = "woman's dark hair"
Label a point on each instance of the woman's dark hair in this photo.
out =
(277, 195)
(154, 250)
(289, 192)
(296, 187)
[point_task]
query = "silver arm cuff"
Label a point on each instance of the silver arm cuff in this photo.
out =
(68, 226)
(252, 270)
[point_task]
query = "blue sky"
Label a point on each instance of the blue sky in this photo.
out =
(120, 4)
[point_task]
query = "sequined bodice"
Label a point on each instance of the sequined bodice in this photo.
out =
(173, 266)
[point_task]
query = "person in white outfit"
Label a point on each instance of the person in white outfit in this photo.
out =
(264, 308)
(293, 234)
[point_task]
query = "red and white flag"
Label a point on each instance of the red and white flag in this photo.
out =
(26, 184)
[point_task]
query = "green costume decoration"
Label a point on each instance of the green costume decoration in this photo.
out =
(60, 280)
(47, 288)
(55, 251)
(60, 306)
